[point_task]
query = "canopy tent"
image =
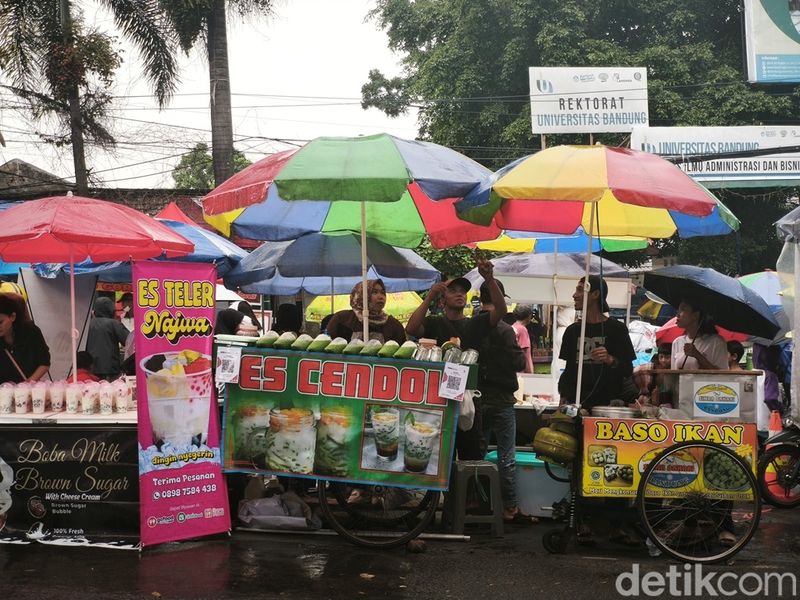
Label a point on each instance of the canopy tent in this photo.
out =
(551, 278)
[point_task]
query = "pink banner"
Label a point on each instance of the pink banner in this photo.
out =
(181, 488)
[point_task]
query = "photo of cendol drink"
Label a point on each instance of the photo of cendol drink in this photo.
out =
(291, 440)
(401, 440)
(334, 440)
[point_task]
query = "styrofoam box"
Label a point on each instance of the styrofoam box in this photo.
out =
(536, 490)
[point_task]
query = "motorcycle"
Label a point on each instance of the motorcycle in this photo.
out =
(779, 467)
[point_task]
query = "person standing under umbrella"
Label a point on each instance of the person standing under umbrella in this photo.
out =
(700, 347)
(607, 361)
(348, 324)
(608, 352)
(24, 355)
(106, 335)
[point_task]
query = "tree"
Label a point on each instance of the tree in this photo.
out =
(195, 171)
(205, 20)
(466, 68)
(62, 69)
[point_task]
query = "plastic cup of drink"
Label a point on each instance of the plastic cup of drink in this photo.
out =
(386, 427)
(39, 396)
(91, 392)
(179, 388)
(72, 396)
(22, 397)
(57, 390)
(421, 439)
(106, 396)
(122, 395)
(6, 398)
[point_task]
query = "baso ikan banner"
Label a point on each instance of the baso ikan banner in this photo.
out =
(181, 487)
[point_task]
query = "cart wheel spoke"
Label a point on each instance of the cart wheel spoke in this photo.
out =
(705, 514)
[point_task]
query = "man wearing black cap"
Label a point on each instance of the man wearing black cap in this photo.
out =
(608, 353)
(454, 323)
(470, 331)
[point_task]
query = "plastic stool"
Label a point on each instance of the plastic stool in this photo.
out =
(466, 470)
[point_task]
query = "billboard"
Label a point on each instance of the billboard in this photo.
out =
(588, 99)
(779, 169)
(182, 491)
(772, 40)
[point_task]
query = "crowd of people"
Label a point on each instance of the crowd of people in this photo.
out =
(504, 342)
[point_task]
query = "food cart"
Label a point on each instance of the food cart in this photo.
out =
(75, 476)
(375, 431)
(689, 473)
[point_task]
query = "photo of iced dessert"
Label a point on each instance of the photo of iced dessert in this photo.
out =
(421, 440)
(250, 418)
(402, 440)
(179, 396)
(6, 481)
(333, 441)
(291, 440)
(386, 429)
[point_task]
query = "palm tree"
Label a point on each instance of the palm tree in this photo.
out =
(205, 20)
(44, 42)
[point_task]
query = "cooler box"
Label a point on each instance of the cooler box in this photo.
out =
(536, 490)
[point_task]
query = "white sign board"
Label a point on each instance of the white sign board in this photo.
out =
(772, 40)
(588, 99)
(765, 170)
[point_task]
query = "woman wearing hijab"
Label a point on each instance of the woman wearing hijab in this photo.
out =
(24, 355)
(349, 323)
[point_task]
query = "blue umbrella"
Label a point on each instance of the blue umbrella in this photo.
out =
(328, 263)
(5, 267)
(732, 305)
(208, 247)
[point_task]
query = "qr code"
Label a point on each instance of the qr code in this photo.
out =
(453, 383)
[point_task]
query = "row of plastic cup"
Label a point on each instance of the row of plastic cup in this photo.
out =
(82, 397)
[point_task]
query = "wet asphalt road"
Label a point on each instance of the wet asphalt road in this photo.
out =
(259, 565)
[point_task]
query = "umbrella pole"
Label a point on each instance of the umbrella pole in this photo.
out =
(582, 344)
(554, 359)
(794, 379)
(73, 334)
(333, 300)
(364, 297)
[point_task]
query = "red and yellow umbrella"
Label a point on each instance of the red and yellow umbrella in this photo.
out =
(630, 194)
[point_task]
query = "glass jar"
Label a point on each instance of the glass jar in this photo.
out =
(291, 440)
(333, 441)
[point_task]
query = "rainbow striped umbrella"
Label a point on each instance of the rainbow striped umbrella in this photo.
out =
(408, 189)
(603, 190)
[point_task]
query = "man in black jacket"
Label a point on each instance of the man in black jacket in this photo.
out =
(106, 335)
(500, 360)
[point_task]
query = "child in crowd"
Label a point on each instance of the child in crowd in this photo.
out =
(84, 373)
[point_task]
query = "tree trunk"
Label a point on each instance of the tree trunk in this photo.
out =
(221, 124)
(76, 130)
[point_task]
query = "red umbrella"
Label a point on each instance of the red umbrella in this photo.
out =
(171, 212)
(670, 331)
(72, 229)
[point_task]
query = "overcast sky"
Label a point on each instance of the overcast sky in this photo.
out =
(294, 76)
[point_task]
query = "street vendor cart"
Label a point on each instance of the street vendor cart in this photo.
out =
(689, 474)
(373, 431)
